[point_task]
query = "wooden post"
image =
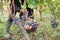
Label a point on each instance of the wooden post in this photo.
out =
(40, 11)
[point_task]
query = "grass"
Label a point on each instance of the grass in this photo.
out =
(43, 29)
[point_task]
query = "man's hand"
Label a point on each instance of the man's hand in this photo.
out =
(12, 17)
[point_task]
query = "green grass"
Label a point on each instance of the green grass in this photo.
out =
(45, 27)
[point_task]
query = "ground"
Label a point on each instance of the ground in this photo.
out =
(43, 32)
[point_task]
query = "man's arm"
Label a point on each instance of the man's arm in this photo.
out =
(10, 10)
(32, 13)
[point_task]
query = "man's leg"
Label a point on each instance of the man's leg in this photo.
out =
(9, 21)
(8, 27)
(8, 24)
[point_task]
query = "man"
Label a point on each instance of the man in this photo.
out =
(31, 25)
(14, 7)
